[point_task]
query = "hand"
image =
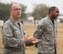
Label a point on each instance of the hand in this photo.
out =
(28, 38)
(35, 40)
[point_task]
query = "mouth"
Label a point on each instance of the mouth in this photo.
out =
(18, 14)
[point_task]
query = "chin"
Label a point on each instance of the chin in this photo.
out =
(55, 18)
(18, 16)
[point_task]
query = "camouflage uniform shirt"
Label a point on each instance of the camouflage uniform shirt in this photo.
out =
(46, 33)
(13, 37)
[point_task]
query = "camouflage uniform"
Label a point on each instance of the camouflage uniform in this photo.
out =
(13, 38)
(46, 33)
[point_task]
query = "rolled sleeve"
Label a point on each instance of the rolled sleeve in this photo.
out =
(39, 31)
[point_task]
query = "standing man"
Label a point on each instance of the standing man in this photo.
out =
(13, 32)
(46, 32)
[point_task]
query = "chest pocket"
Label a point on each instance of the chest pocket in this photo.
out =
(49, 28)
(17, 32)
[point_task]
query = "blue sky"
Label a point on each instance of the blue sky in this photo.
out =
(30, 3)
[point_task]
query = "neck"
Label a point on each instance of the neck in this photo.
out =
(52, 19)
(14, 18)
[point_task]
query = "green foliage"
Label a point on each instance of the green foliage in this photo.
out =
(40, 11)
(4, 11)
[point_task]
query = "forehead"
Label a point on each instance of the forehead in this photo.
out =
(56, 9)
(16, 6)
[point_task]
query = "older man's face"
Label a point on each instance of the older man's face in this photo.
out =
(16, 10)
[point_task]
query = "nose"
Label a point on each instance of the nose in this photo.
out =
(18, 10)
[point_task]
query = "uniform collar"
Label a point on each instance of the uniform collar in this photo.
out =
(14, 22)
(49, 19)
(11, 18)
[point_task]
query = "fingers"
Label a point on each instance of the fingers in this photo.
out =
(36, 41)
(27, 36)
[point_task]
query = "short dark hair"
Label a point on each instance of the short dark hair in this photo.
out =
(52, 9)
